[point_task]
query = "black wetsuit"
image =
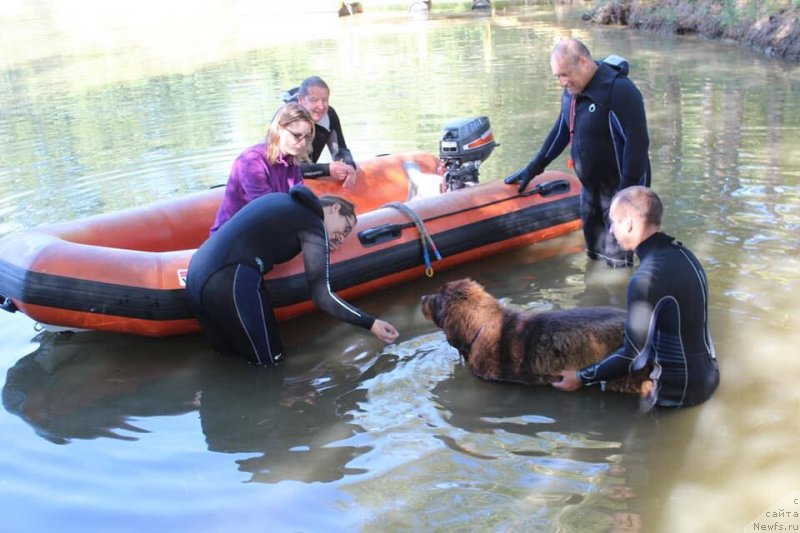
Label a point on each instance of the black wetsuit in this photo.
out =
(224, 282)
(327, 132)
(608, 131)
(667, 326)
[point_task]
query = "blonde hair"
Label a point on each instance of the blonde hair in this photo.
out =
(288, 114)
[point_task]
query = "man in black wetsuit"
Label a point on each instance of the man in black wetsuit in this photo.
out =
(313, 94)
(602, 116)
(667, 324)
(224, 284)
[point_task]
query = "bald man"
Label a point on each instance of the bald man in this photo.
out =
(667, 324)
(603, 118)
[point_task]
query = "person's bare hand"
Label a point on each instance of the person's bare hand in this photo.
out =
(384, 331)
(569, 381)
(350, 180)
(338, 170)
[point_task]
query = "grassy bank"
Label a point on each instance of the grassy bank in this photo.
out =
(772, 26)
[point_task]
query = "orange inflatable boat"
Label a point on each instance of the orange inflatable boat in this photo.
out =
(125, 271)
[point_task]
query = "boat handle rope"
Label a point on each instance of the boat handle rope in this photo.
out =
(424, 235)
(378, 234)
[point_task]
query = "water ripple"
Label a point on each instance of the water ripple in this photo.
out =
(416, 439)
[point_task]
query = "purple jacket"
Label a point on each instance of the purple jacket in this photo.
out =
(252, 176)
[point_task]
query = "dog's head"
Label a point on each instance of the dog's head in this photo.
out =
(457, 308)
(436, 307)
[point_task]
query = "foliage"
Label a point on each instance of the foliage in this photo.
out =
(769, 25)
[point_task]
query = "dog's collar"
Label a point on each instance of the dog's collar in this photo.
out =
(468, 347)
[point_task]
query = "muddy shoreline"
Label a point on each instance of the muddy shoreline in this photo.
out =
(775, 31)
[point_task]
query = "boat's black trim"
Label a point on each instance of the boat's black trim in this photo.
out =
(162, 305)
(63, 292)
(407, 255)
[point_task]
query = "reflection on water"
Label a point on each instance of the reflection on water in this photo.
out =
(349, 435)
(412, 416)
(89, 386)
(466, 444)
(407, 435)
(72, 387)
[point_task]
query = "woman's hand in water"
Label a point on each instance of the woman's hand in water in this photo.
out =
(384, 331)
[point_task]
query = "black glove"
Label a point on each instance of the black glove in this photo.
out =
(516, 176)
(525, 175)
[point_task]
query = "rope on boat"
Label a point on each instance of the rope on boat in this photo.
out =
(424, 235)
(371, 236)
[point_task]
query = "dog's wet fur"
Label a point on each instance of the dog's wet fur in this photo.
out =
(499, 343)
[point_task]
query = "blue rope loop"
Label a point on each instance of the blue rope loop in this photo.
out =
(424, 235)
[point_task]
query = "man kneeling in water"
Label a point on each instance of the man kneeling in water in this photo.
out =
(667, 324)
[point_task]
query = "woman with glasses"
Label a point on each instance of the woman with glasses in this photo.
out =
(270, 166)
(225, 287)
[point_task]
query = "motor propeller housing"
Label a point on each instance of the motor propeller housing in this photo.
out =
(465, 144)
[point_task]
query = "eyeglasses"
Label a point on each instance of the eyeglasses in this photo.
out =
(348, 227)
(298, 136)
(339, 237)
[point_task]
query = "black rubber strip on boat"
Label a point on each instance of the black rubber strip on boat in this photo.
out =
(63, 292)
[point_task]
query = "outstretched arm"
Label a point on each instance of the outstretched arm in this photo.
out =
(316, 258)
(619, 363)
(555, 143)
(337, 170)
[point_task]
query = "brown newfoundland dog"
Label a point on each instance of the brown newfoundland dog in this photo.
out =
(502, 344)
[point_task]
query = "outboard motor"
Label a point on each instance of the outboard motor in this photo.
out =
(465, 144)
